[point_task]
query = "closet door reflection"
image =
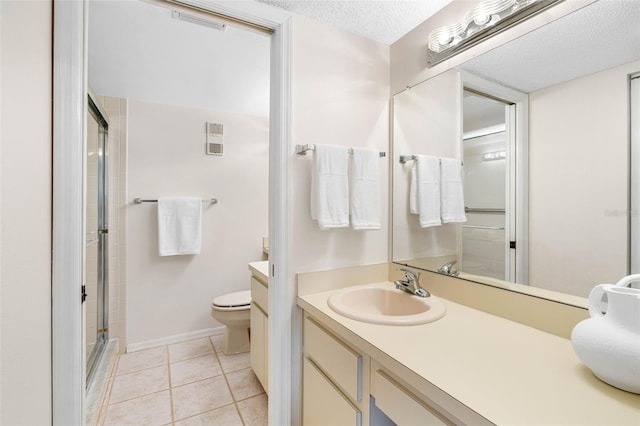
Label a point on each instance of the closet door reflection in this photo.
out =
(95, 275)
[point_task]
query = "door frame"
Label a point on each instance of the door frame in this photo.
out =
(517, 221)
(634, 173)
(69, 127)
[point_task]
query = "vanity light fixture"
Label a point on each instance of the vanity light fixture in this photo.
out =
(482, 21)
(497, 155)
(199, 21)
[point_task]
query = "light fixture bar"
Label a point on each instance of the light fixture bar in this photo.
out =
(497, 155)
(479, 23)
(199, 21)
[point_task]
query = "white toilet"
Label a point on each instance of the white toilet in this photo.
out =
(233, 310)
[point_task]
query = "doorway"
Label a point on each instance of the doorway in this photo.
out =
(495, 155)
(634, 216)
(68, 230)
(485, 151)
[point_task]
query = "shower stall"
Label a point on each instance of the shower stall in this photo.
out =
(95, 287)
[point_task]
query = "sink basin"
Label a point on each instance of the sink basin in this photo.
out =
(382, 303)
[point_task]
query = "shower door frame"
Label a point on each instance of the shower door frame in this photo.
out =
(102, 301)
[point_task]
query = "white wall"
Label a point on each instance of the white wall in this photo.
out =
(25, 212)
(427, 120)
(340, 96)
(168, 296)
(578, 187)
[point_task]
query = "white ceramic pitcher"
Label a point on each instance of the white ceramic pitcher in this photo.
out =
(609, 342)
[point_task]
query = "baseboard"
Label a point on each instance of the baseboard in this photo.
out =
(176, 338)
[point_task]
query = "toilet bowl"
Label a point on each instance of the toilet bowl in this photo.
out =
(233, 310)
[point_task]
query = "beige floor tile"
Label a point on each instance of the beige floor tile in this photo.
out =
(190, 349)
(144, 382)
(200, 397)
(152, 409)
(254, 411)
(244, 384)
(217, 342)
(195, 369)
(235, 362)
(225, 416)
(136, 361)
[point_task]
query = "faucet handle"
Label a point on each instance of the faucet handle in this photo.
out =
(409, 274)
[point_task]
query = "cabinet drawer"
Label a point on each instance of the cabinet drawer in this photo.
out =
(260, 295)
(339, 362)
(400, 405)
(322, 403)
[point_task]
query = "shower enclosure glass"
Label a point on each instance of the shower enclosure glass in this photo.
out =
(95, 288)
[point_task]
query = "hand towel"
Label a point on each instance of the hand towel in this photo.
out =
(179, 225)
(452, 191)
(413, 188)
(330, 187)
(428, 190)
(365, 189)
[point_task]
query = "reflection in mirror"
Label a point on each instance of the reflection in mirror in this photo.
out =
(484, 143)
(576, 162)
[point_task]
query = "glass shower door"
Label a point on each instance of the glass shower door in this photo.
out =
(96, 250)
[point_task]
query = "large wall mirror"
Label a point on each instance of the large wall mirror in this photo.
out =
(542, 126)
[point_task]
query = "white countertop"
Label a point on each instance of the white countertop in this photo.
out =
(507, 372)
(260, 270)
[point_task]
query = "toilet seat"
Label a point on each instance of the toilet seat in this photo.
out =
(237, 301)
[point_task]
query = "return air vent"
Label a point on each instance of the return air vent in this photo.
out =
(214, 139)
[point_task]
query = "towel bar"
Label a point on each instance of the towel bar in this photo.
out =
(405, 158)
(302, 150)
(140, 201)
(473, 210)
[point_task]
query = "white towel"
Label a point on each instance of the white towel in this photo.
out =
(330, 187)
(413, 188)
(365, 189)
(179, 225)
(428, 190)
(452, 192)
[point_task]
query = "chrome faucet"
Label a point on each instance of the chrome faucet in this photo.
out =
(411, 284)
(446, 269)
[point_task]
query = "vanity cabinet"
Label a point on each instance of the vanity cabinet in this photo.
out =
(343, 385)
(334, 380)
(401, 405)
(323, 403)
(260, 331)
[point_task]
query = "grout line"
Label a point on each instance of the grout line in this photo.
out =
(205, 412)
(141, 369)
(224, 374)
(173, 417)
(107, 398)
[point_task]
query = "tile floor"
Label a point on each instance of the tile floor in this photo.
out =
(189, 383)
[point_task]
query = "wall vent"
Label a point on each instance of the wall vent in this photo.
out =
(214, 145)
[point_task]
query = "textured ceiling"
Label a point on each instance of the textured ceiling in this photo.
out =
(382, 20)
(600, 36)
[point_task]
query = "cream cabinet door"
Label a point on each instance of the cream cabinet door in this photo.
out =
(322, 403)
(259, 342)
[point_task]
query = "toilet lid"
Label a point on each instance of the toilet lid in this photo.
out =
(239, 298)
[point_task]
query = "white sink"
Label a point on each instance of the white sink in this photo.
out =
(382, 303)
